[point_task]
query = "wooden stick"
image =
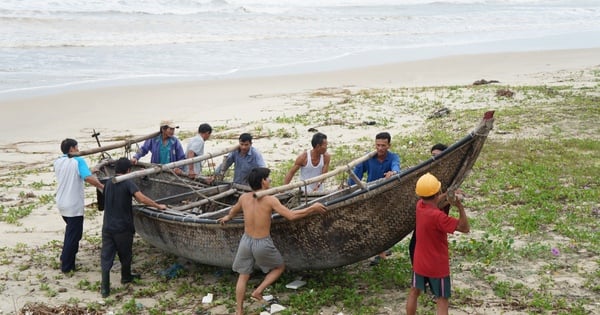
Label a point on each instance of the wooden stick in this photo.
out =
(115, 145)
(339, 169)
(163, 167)
(205, 200)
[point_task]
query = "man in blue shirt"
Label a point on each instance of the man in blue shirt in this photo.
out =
(383, 165)
(245, 158)
(165, 147)
(71, 174)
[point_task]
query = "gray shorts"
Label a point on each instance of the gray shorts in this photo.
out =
(256, 252)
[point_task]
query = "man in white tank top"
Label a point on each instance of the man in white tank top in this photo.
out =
(311, 163)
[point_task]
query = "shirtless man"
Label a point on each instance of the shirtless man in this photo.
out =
(256, 246)
(317, 164)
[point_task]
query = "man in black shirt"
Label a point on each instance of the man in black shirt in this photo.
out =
(117, 227)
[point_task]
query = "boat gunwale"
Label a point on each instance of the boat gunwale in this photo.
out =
(371, 188)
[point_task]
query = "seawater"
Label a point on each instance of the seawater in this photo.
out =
(47, 46)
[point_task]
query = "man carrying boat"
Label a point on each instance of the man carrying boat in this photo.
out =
(311, 163)
(383, 165)
(256, 247)
(117, 225)
(245, 159)
(165, 148)
(196, 148)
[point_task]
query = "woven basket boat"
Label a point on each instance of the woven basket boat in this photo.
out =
(360, 221)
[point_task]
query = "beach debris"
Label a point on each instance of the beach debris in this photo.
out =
(505, 93)
(276, 308)
(483, 81)
(444, 111)
(173, 271)
(41, 308)
(295, 284)
(208, 298)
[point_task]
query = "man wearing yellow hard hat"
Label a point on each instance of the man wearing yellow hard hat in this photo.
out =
(432, 262)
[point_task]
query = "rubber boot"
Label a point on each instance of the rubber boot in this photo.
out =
(127, 276)
(105, 286)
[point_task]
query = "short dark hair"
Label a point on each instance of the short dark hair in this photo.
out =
(439, 146)
(384, 135)
(122, 165)
(256, 176)
(246, 137)
(204, 128)
(318, 139)
(67, 144)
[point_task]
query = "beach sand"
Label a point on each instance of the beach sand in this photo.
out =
(32, 129)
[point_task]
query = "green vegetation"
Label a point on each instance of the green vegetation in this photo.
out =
(533, 197)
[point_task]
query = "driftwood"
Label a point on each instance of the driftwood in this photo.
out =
(117, 145)
(164, 167)
(348, 167)
(505, 93)
(483, 81)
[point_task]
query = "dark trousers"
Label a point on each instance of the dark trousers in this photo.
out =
(73, 233)
(120, 243)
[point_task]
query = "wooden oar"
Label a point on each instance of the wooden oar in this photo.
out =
(348, 167)
(115, 145)
(163, 167)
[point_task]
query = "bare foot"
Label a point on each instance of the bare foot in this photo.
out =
(257, 297)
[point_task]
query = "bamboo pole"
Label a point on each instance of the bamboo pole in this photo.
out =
(115, 145)
(205, 200)
(163, 167)
(339, 169)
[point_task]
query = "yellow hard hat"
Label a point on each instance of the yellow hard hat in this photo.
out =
(427, 186)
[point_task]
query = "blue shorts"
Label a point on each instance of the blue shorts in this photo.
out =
(440, 287)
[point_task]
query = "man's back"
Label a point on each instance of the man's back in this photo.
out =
(118, 215)
(257, 214)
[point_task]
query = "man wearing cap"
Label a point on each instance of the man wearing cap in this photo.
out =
(432, 262)
(165, 147)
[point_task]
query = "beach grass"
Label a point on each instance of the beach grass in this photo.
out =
(532, 197)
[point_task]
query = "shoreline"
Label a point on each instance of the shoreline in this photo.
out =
(135, 109)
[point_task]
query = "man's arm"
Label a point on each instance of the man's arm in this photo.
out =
(179, 154)
(232, 213)
(142, 151)
(300, 161)
(296, 214)
(395, 167)
(93, 180)
(222, 168)
(326, 160)
(140, 197)
(191, 170)
(259, 159)
(358, 171)
(463, 220)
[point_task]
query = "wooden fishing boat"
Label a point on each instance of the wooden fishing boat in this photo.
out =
(360, 222)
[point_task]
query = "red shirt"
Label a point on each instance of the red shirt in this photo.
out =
(431, 251)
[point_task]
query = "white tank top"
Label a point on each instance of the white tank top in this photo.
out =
(310, 171)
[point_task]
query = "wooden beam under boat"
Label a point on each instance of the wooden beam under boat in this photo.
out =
(348, 167)
(115, 145)
(157, 168)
